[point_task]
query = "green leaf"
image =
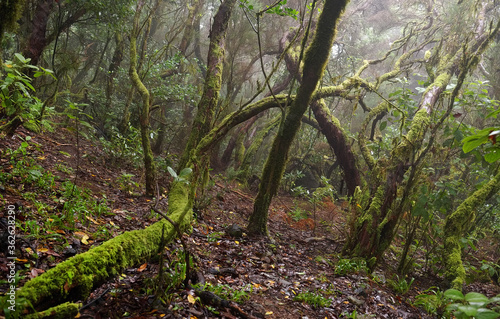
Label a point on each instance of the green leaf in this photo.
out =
(468, 310)
(185, 172)
(483, 313)
(454, 294)
(172, 172)
(493, 155)
(477, 299)
(470, 144)
(383, 125)
(35, 173)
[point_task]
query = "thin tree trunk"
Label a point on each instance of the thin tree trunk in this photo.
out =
(203, 121)
(314, 63)
(116, 60)
(149, 165)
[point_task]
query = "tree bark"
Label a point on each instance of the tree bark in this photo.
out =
(149, 165)
(331, 129)
(315, 60)
(203, 121)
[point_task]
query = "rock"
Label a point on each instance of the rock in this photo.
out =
(285, 283)
(234, 231)
(355, 300)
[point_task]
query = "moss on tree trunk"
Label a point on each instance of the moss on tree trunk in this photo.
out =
(149, 165)
(373, 229)
(203, 121)
(330, 127)
(457, 224)
(315, 60)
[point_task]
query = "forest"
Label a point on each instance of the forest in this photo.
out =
(249, 159)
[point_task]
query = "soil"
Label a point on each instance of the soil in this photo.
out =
(261, 277)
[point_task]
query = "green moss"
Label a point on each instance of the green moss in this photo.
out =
(457, 224)
(10, 13)
(376, 111)
(413, 138)
(76, 277)
(63, 311)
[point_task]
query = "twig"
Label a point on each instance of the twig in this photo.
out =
(183, 243)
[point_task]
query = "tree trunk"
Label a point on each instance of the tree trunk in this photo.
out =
(113, 68)
(203, 121)
(374, 228)
(149, 165)
(330, 127)
(375, 224)
(457, 224)
(37, 40)
(314, 63)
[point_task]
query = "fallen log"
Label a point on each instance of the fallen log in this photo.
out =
(75, 278)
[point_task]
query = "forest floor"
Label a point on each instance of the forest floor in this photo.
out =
(297, 274)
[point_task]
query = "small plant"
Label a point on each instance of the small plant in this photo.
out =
(401, 285)
(126, 183)
(18, 105)
(314, 299)
(215, 236)
(298, 214)
(491, 268)
(288, 180)
(472, 305)
(229, 293)
(432, 300)
(347, 266)
(183, 176)
(65, 169)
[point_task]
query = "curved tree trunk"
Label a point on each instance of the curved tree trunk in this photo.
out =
(314, 64)
(330, 127)
(149, 165)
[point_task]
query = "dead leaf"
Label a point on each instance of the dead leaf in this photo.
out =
(191, 299)
(92, 220)
(142, 267)
(84, 240)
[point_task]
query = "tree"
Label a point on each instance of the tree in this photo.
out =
(10, 11)
(203, 121)
(149, 165)
(315, 59)
(379, 213)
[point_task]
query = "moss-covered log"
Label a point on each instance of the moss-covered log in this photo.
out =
(63, 311)
(75, 278)
(455, 227)
(315, 60)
